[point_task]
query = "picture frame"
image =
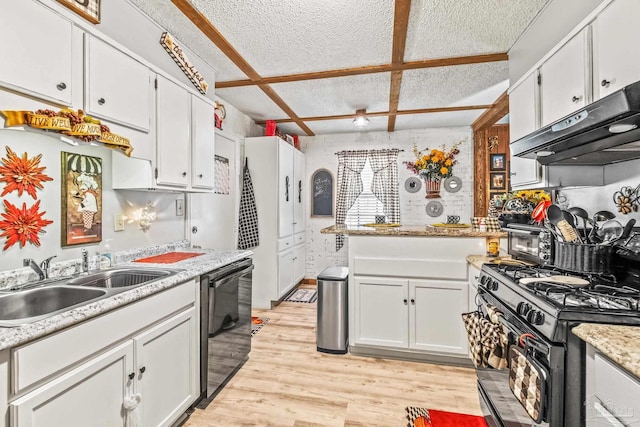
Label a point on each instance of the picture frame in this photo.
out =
(322, 189)
(81, 199)
(88, 9)
(497, 181)
(498, 162)
(496, 196)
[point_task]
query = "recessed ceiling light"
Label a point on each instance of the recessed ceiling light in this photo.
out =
(621, 128)
(361, 119)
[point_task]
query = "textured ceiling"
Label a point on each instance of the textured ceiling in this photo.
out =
(276, 38)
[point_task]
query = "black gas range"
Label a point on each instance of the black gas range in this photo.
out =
(545, 310)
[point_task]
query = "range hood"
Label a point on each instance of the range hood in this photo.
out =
(604, 132)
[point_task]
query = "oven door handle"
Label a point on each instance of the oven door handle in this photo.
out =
(226, 279)
(527, 232)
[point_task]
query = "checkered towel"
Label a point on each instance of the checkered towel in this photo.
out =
(248, 236)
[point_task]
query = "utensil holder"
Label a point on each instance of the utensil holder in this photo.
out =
(583, 258)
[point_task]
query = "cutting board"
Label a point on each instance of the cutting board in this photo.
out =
(565, 280)
(169, 257)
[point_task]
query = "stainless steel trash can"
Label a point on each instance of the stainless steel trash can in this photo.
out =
(332, 332)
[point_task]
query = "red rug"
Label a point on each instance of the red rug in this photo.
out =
(421, 417)
(169, 257)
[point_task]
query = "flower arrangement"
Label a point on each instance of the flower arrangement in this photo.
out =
(534, 196)
(434, 164)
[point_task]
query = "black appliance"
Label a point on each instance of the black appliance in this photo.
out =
(530, 243)
(225, 325)
(606, 131)
(548, 311)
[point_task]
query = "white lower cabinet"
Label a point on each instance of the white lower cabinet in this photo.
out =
(285, 272)
(90, 395)
(145, 372)
(411, 314)
(299, 253)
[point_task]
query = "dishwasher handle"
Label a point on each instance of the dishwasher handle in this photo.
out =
(231, 277)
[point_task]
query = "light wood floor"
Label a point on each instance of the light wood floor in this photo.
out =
(286, 382)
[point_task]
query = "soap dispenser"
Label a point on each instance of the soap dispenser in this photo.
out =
(105, 258)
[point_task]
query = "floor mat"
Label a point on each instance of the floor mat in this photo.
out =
(422, 417)
(257, 323)
(302, 295)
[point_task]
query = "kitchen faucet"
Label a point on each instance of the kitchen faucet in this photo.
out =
(42, 269)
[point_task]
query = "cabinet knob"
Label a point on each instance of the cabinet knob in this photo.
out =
(605, 83)
(101, 101)
(576, 98)
(184, 174)
(144, 368)
(132, 375)
(513, 174)
(405, 301)
(61, 86)
(413, 301)
(200, 176)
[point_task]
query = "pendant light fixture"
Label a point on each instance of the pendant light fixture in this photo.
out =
(361, 119)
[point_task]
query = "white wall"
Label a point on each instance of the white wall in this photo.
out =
(320, 153)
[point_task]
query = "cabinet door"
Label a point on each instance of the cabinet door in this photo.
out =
(563, 88)
(117, 87)
(202, 143)
(474, 275)
(299, 191)
(167, 363)
(523, 107)
(434, 316)
(298, 263)
(285, 272)
(381, 312)
(28, 65)
(286, 189)
(174, 133)
(90, 395)
(616, 60)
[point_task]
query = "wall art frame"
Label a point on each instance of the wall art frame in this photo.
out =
(88, 9)
(81, 199)
(497, 181)
(322, 194)
(498, 162)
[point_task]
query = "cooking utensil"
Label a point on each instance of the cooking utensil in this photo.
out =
(540, 211)
(571, 220)
(609, 231)
(626, 232)
(581, 213)
(599, 216)
(556, 217)
(564, 280)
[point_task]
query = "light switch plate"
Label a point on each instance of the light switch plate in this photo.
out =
(179, 207)
(118, 222)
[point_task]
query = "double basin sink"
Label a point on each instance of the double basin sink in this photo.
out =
(40, 300)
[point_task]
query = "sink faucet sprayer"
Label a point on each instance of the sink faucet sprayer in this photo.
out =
(42, 269)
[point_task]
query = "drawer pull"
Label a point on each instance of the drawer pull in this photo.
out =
(144, 368)
(101, 101)
(61, 86)
(405, 301)
(132, 375)
(576, 98)
(184, 174)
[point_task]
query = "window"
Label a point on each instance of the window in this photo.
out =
(367, 205)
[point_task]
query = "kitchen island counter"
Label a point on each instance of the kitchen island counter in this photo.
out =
(410, 230)
(619, 343)
(191, 268)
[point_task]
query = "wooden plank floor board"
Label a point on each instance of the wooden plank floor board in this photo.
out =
(287, 383)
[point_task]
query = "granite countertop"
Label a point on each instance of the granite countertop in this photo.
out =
(619, 343)
(191, 267)
(410, 230)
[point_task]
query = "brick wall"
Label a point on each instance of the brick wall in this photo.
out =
(320, 153)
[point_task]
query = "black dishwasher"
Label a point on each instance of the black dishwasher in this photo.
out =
(225, 324)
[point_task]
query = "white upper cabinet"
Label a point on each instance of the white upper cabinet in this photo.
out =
(173, 104)
(36, 51)
(286, 189)
(564, 79)
(523, 115)
(202, 139)
(616, 60)
(117, 87)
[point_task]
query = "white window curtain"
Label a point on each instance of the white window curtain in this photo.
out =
(350, 165)
(384, 164)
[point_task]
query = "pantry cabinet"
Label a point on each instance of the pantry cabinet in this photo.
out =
(37, 52)
(117, 86)
(277, 172)
(139, 362)
(616, 62)
(202, 143)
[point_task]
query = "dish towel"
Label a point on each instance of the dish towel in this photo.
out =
(248, 223)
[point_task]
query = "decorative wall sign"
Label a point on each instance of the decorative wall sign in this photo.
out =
(22, 225)
(222, 181)
(22, 174)
(88, 9)
(81, 199)
(175, 51)
(322, 193)
(412, 184)
(498, 162)
(626, 199)
(453, 184)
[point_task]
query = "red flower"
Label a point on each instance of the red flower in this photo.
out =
(22, 225)
(22, 174)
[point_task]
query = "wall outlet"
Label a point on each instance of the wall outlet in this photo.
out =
(179, 207)
(118, 222)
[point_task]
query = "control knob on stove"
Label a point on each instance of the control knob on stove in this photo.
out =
(492, 284)
(523, 308)
(535, 317)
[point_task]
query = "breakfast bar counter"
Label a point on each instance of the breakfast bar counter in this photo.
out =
(410, 230)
